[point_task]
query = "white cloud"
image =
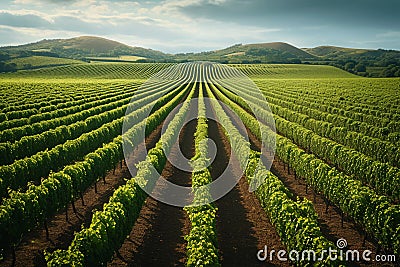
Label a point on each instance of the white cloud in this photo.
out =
(173, 25)
(18, 35)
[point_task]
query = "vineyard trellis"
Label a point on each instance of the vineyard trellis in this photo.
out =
(59, 138)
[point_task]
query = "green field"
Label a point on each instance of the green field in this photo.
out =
(292, 71)
(95, 71)
(333, 139)
(145, 70)
(115, 59)
(42, 61)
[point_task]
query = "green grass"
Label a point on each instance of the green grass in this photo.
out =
(374, 91)
(43, 61)
(121, 70)
(292, 71)
(93, 71)
(114, 59)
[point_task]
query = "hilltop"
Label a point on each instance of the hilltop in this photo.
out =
(280, 46)
(80, 48)
(276, 52)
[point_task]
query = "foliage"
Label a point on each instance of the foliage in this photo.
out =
(295, 221)
(374, 212)
(109, 227)
(33, 206)
(202, 248)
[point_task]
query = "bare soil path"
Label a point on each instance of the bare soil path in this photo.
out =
(157, 238)
(242, 225)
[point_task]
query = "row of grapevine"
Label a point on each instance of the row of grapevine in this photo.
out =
(374, 213)
(378, 121)
(99, 70)
(32, 144)
(29, 145)
(108, 229)
(39, 165)
(291, 71)
(201, 248)
(14, 134)
(62, 110)
(340, 120)
(384, 178)
(346, 94)
(376, 148)
(295, 221)
(21, 212)
(20, 95)
(45, 96)
(344, 108)
(383, 133)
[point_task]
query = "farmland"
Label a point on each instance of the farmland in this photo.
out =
(321, 144)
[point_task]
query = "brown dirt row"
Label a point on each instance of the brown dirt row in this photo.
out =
(330, 220)
(61, 232)
(157, 238)
(243, 227)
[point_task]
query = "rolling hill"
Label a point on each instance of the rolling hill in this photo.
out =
(81, 48)
(280, 46)
(331, 51)
(365, 62)
(276, 52)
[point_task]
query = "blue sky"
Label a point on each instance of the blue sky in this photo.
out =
(197, 25)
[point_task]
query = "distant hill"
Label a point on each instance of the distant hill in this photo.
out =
(364, 62)
(334, 51)
(81, 48)
(277, 52)
(285, 47)
(96, 45)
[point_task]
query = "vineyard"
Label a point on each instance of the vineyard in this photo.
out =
(316, 153)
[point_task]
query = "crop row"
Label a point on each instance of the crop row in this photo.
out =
(376, 148)
(388, 132)
(202, 247)
(14, 134)
(99, 70)
(371, 96)
(44, 96)
(30, 116)
(375, 213)
(23, 211)
(108, 229)
(295, 221)
(324, 102)
(378, 121)
(39, 165)
(380, 176)
(29, 145)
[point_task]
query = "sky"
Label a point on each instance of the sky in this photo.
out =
(175, 26)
